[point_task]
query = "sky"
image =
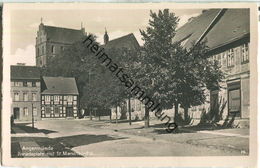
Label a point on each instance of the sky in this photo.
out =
(118, 22)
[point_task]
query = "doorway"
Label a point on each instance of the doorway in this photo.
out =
(16, 113)
(69, 111)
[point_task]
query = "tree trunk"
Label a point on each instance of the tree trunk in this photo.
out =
(176, 108)
(99, 115)
(90, 114)
(146, 118)
(116, 114)
(129, 111)
(110, 116)
(186, 114)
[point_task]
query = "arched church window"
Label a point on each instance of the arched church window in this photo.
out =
(53, 49)
(43, 50)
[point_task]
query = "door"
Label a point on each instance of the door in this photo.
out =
(234, 102)
(16, 113)
(69, 111)
(214, 105)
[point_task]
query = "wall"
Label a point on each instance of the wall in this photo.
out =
(21, 104)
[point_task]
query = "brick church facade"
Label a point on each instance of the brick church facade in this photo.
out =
(51, 40)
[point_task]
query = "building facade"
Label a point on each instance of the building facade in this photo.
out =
(59, 98)
(51, 41)
(227, 35)
(25, 92)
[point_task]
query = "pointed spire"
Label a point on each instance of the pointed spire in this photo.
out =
(41, 20)
(106, 37)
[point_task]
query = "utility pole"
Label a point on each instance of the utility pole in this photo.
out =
(32, 117)
(129, 110)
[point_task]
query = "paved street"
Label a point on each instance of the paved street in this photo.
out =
(83, 138)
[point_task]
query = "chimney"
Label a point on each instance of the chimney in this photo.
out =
(82, 28)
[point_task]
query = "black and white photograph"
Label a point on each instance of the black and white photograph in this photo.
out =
(129, 80)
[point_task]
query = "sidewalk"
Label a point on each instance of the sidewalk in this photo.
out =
(225, 139)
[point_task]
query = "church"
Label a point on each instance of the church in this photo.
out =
(51, 40)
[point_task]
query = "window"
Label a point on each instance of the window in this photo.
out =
(25, 84)
(56, 111)
(48, 111)
(25, 96)
(53, 49)
(230, 57)
(38, 51)
(16, 96)
(245, 53)
(47, 98)
(34, 111)
(16, 83)
(34, 98)
(61, 48)
(69, 98)
(56, 98)
(25, 111)
(33, 84)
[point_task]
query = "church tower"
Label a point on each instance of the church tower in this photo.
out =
(52, 41)
(106, 37)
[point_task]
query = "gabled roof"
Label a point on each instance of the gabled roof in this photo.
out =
(60, 34)
(233, 25)
(59, 85)
(128, 41)
(217, 26)
(25, 72)
(194, 29)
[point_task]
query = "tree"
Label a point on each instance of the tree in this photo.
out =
(171, 74)
(156, 51)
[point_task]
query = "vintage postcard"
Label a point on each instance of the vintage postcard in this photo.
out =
(129, 84)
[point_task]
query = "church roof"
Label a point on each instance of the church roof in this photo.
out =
(64, 35)
(59, 85)
(128, 41)
(25, 72)
(218, 26)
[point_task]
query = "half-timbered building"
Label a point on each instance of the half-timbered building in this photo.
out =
(59, 97)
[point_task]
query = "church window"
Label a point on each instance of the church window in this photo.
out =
(42, 49)
(53, 49)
